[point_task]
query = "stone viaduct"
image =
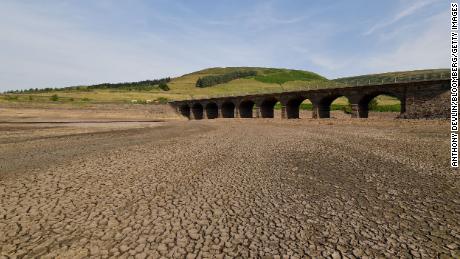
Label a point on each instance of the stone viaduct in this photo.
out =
(419, 99)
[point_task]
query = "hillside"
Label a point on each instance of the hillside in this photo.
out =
(184, 87)
(400, 75)
(267, 79)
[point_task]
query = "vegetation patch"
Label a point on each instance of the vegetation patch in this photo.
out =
(414, 75)
(162, 100)
(375, 105)
(145, 85)
(54, 98)
(277, 76)
(208, 81)
(11, 97)
(163, 86)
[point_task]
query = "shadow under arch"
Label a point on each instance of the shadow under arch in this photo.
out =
(197, 111)
(246, 109)
(184, 110)
(267, 107)
(228, 109)
(212, 111)
(293, 106)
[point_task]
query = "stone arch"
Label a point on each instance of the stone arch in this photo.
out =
(324, 105)
(293, 107)
(212, 111)
(197, 111)
(228, 110)
(267, 107)
(246, 109)
(184, 110)
(363, 104)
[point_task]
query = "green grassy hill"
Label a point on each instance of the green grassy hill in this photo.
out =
(267, 79)
(184, 87)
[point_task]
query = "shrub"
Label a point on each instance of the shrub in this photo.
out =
(347, 109)
(31, 98)
(162, 100)
(164, 86)
(71, 99)
(373, 104)
(85, 99)
(54, 98)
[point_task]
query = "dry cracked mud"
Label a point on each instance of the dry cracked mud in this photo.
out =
(229, 188)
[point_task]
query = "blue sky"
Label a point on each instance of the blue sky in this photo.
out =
(62, 43)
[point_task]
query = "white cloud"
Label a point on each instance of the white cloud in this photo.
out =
(265, 15)
(397, 51)
(430, 49)
(405, 12)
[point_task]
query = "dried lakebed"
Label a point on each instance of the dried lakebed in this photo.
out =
(229, 188)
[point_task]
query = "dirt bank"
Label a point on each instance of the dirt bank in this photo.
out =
(18, 112)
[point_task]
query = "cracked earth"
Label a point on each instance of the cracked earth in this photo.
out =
(229, 188)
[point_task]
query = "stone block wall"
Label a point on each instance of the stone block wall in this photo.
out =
(428, 102)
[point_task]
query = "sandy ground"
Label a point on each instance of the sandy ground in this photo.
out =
(229, 188)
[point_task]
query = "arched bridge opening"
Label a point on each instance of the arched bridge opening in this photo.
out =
(381, 102)
(267, 108)
(293, 107)
(336, 103)
(246, 109)
(212, 111)
(197, 111)
(184, 110)
(228, 110)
